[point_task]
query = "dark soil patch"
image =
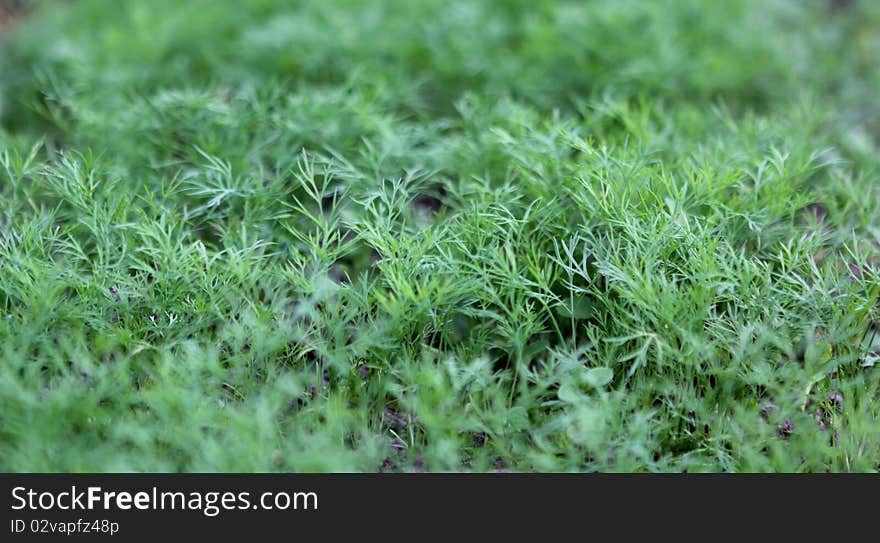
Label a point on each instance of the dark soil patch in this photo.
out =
(11, 13)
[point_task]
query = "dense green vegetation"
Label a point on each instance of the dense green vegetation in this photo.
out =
(440, 235)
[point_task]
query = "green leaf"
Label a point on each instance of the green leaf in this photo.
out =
(518, 418)
(817, 354)
(569, 393)
(583, 308)
(598, 377)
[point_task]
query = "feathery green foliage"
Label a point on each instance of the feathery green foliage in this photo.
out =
(397, 235)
